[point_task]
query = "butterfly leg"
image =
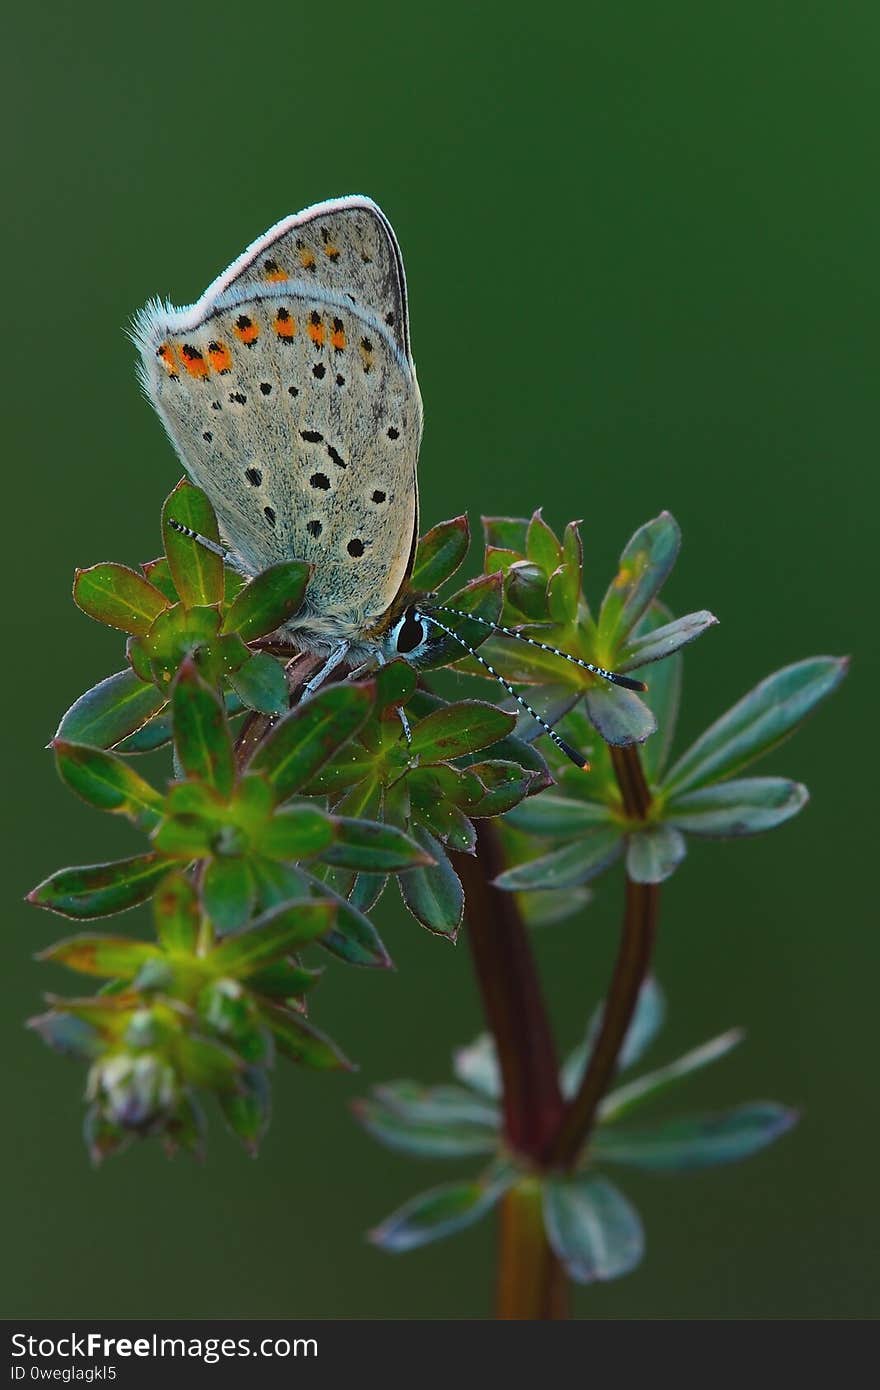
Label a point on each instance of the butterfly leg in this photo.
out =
(338, 654)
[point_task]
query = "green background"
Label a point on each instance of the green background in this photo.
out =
(641, 242)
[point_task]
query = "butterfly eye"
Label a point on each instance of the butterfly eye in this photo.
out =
(410, 633)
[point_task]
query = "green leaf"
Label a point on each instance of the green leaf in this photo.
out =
(68, 1035)
(444, 820)
(301, 1042)
(663, 641)
(159, 574)
(119, 597)
(542, 547)
(395, 683)
(646, 1022)
(505, 785)
(94, 954)
(205, 1062)
(461, 728)
(197, 572)
(558, 816)
(593, 1229)
(526, 590)
(621, 716)
(482, 597)
(260, 684)
(97, 890)
(283, 979)
(353, 938)
(248, 1109)
(505, 532)
(201, 733)
(176, 908)
(566, 868)
(744, 806)
(653, 855)
(433, 894)
(108, 783)
(228, 893)
(424, 1138)
(296, 831)
(111, 710)
(273, 935)
(373, 848)
(440, 553)
(757, 723)
(564, 588)
(446, 1104)
(644, 565)
(548, 906)
(625, 1098)
(310, 734)
(269, 600)
(152, 735)
(477, 1066)
(440, 1212)
(663, 698)
(697, 1141)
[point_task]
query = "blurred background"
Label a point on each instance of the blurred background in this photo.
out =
(641, 244)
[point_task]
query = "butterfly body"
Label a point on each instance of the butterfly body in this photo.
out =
(290, 395)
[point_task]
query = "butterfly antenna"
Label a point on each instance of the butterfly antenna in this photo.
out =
(626, 682)
(214, 546)
(572, 753)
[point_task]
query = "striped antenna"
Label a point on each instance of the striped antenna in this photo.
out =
(196, 536)
(626, 682)
(572, 753)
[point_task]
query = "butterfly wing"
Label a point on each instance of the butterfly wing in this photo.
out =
(294, 405)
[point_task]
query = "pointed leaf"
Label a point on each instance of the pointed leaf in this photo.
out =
(301, 1042)
(111, 710)
(593, 1229)
(626, 1098)
(558, 816)
(94, 954)
(260, 684)
(150, 736)
(310, 734)
(269, 600)
(375, 848)
(757, 723)
(108, 783)
(506, 532)
(176, 908)
(247, 1109)
(461, 728)
(201, 734)
(440, 1212)
(744, 806)
(482, 597)
(296, 831)
(119, 597)
(422, 1138)
(644, 565)
(433, 894)
(505, 785)
(97, 890)
(197, 572)
(653, 855)
(646, 1022)
(271, 936)
(447, 1104)
(228, 892)
(566, 868)
(663, 697)
(440, 553)
(663, 641)
(395, 683)
(697, 1141)
(68, 1035)
(542, 547)
(621, 716)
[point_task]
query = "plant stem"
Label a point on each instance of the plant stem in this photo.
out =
(531, 1282)
(630, 969)
(512, 1000)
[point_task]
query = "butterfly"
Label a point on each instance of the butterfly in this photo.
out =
(289, 392)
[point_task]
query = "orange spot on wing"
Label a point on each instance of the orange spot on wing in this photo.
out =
(332, 252)
(193, 361)
(277, 274)
(284, 324)
(220, 357)
(338, 339)
(307, 259)
(168, 362)
(317, 332)
(246, 330)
